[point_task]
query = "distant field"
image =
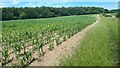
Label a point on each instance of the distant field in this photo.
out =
(19, 35)
(114, 14)
(98, 48)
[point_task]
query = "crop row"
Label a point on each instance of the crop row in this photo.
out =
(25, 38)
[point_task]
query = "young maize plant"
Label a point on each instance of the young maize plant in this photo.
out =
(51, 46)
(19, 35)
(64, 38)
(5, 56)
(57, 40)
(17, 48)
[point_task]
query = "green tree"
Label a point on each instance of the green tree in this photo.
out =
(7, 16)
(46, 12)
(22, 15)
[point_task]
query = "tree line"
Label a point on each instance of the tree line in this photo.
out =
(12, 13)
(118, 14)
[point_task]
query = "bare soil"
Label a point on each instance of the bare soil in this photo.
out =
(51, 58)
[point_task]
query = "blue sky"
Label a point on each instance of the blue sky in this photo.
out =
(59, 0)
(109, 4)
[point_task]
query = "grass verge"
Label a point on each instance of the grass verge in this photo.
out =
(99, 46)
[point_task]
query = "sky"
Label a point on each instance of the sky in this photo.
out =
(59, 0)
(108, 4)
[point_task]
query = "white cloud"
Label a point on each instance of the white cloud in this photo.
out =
(29, 5)
(3, 5)
(15, 2)
(65, 0)
(9, 4)
(0, 4)
(52, 3)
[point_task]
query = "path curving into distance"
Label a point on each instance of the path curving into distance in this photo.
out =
(51, 58)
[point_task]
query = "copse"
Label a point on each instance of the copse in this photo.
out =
(11, 13)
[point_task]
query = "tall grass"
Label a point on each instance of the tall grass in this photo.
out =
(99, 46)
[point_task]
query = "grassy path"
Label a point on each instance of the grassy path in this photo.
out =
(52, 58)
(98, 47)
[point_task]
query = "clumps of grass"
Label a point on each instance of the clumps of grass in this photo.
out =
(98, 48)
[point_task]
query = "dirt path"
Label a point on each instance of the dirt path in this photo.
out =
(51, 58)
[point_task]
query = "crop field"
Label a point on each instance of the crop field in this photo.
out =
(99, 46)
(23, 41)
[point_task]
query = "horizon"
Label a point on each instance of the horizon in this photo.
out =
(105, 5)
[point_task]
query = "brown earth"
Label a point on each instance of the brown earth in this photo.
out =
(51, 58)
